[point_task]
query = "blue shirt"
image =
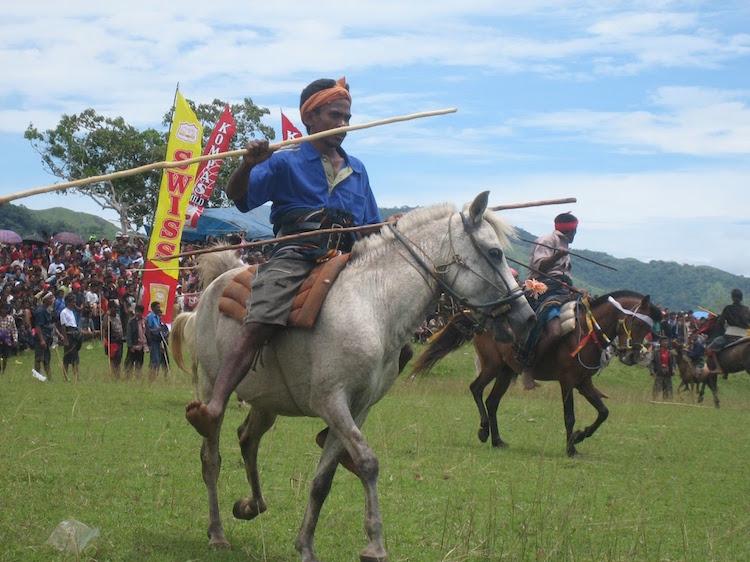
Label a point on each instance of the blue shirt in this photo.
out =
(294, 179)
(153, 322)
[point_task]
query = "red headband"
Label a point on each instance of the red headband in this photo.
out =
(566, 226)
(319, 99)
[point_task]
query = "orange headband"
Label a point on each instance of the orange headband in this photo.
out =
(319, 99)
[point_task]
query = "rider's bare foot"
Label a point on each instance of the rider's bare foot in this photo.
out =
(201, 418)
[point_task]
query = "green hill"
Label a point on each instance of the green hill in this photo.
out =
(49, 221)
(671, 285)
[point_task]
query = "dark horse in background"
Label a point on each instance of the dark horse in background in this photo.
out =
(624, 318)
(693, 376)
(733, 358)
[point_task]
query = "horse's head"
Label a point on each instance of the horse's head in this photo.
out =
(478, 274)
(636, 316)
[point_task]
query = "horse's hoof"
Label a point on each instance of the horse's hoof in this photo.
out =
(248, 508)
(368, 556)
(572, 452)
(499, 443)
(578, 436)
(219, 543)
(483, 434)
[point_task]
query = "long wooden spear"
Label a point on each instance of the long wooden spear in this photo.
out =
(534, 204)
(571, 253)
(366, 228)
(219, 156)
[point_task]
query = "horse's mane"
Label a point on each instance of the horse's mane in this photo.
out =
(210, 266)
(653, 312)
(378, 243)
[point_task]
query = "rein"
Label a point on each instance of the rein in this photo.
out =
(438, 273)
(597, 334)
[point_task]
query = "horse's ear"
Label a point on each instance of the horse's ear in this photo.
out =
(478, 207)
(646, 301)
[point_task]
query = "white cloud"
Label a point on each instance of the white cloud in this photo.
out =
(98, 54)
(695, 216)
(694, 121)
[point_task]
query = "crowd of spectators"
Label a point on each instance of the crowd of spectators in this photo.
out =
(89, 291)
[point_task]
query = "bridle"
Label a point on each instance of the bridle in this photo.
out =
(627, 329)
(491, 309)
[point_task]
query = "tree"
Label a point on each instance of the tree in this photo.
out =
(88, 144)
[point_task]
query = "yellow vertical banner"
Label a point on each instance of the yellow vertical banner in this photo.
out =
(160, 277)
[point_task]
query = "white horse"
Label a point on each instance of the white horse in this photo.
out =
(339, 369)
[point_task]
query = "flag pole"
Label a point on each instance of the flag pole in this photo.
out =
(229, 154)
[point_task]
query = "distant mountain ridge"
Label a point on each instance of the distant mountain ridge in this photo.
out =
(47, 222)
(671, 285)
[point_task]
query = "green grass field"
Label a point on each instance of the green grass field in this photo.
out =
(658, 482)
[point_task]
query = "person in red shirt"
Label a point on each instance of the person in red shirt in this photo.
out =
(662, 367)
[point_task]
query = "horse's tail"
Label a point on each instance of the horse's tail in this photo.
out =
(182, 329)
(458, 330)
(599, 392)
(210, 266)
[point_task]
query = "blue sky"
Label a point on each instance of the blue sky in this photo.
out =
(641, 110)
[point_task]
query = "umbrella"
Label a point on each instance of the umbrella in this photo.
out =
(35, 238)
(9, 237)
(68, 238)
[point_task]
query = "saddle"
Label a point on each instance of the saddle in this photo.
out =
(306, 304)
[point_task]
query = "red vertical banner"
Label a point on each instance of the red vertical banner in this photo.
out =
(288, 130)
(208, 170)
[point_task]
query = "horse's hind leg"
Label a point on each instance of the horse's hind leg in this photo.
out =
(502, 382)
(250, 433)
(210, 467)
(713, 384)
(587, 390)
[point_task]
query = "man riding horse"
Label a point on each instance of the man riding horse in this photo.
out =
(311, 186)
(549, 263)
(735, 321)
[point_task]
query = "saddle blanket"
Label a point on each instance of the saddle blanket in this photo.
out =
(306, 304)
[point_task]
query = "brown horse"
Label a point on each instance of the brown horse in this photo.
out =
(695, 377)
(624, 316)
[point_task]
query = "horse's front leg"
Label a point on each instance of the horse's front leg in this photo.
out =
(250, 433)
(587, 390)
(211, 467)
(345, 432)
(477, 387)
(569, 417)
(502, 382)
